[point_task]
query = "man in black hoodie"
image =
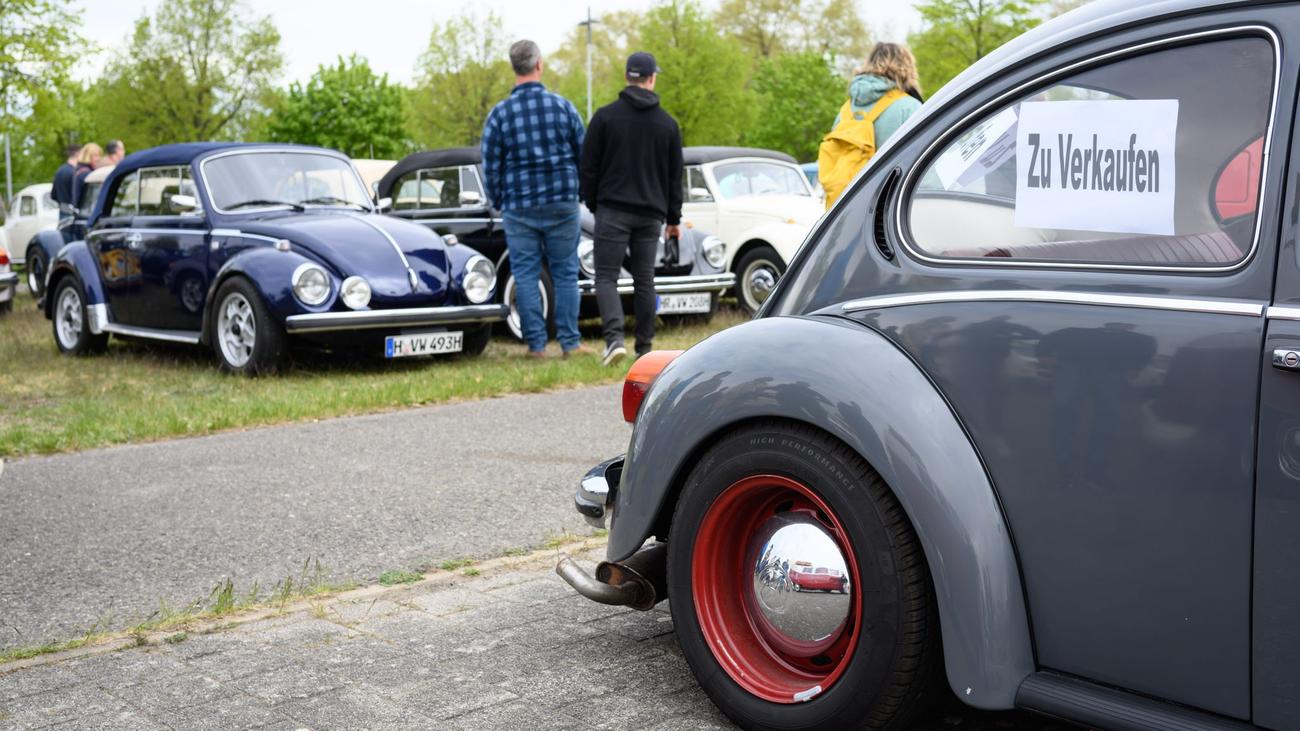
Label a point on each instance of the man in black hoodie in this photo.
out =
(631, 178)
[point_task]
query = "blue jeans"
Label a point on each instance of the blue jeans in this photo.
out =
(548, 232)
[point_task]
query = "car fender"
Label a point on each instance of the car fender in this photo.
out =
(75, 259)
(784, 238)
(870, 395)
(270, 271)
(50, 241)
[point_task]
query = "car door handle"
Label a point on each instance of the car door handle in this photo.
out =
(134, 240)
(1287, 360)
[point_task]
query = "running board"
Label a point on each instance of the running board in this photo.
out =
(1100, 707)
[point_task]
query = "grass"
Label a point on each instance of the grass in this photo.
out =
(144, 391)
(312, 581)
(399, 576)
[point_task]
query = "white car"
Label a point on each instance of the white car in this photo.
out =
(31, 210)
(757, 201)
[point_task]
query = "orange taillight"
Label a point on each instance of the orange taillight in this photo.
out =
(4, 257)
(643, 373)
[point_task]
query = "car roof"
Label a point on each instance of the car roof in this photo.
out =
(702, 155)
(1094, 19)
(184, 153)
(425, 160)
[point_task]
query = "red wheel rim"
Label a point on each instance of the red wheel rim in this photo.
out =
(733, 569)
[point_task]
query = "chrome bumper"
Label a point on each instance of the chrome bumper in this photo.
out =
(318, 322)
(596, 492)
(8, 285)
(669, 285)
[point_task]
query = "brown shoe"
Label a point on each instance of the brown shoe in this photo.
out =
(580, 350)
(537, 354)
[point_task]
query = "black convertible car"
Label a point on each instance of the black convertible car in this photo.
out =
(443, 189)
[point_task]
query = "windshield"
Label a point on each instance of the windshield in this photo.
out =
(759, 178)
(259, 180)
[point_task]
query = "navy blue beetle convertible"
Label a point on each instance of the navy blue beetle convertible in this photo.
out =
(247, 248)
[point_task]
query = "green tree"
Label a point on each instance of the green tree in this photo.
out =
(614, 37)
(706, 74)
(197, 70)
(956, 33)
(345, 106)
(463, 73)
(799, 94)
(38, 44)
(769, 28)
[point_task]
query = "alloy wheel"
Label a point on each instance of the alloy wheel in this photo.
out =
(69, 318)
(236, 330)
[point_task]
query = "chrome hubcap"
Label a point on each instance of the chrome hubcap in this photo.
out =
(68, 318)
(513, 321)
(760, 278)
(800, 584)
(236, 330)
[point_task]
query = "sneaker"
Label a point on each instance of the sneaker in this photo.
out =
(614, 353)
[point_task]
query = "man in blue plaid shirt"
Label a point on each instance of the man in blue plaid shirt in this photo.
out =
(531, 144)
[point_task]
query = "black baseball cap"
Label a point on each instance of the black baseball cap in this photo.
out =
(641, 65)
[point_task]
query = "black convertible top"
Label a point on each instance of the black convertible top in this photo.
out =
(425, 160)
(701, 155)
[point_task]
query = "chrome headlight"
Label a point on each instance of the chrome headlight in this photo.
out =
(479, 279)
(587, 256)
(355, 292)
(715, 251)
(311, 285)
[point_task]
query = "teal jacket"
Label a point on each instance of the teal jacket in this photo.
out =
(864, 90)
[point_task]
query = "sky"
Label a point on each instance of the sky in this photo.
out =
(392, 34)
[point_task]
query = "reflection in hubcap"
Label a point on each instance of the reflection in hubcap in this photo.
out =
(760, 280)
(800, 582)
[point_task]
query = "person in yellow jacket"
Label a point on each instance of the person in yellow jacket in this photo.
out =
(883, 94)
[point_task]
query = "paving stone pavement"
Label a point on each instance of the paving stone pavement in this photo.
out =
(513, 648)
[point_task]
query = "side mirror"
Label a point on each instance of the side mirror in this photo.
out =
(700, 195)
(183, 203)
(383, 204)
(470, 198)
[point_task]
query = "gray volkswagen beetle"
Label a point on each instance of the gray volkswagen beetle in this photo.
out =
(1032, 388)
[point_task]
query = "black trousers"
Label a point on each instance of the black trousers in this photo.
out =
(633, 239)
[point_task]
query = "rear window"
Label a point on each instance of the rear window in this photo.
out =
(1151, 160)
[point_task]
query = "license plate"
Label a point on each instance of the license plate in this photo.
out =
(685, 304)
(401, 346)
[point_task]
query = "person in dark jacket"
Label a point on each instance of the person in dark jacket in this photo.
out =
(631, 179)
(62, 193)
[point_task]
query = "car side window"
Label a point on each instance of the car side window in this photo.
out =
(127, 199)
(695, 187)
(27, 206)
(157, 186)
(1150, 160)
(429, 189)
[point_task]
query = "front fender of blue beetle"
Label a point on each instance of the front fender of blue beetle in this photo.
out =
(270, 271)
(458, 259)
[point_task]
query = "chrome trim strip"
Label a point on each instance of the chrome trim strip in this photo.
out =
(961, 126)
(171, 336)
(669, 285)
(1282, 312)
(1181, 304)
(226, 232)
(132, 229)
(410, 273)
(410, 317)
(274, 150)
(8, 278)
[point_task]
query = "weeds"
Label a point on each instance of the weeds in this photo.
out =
(399, 576)
(452, 564)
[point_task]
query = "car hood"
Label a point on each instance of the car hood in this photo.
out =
(803, 209)
(362, 244)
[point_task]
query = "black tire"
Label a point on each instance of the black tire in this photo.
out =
(268, 351)
(476, 340)
(507, 279)
(897, 656)
(71, 320)
(36, 267)
(762, 258)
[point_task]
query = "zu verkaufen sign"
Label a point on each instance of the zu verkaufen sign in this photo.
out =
(1097, 165)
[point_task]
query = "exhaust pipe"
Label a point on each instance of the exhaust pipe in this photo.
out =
(639, 582)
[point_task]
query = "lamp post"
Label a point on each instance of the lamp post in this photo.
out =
(588, 22)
